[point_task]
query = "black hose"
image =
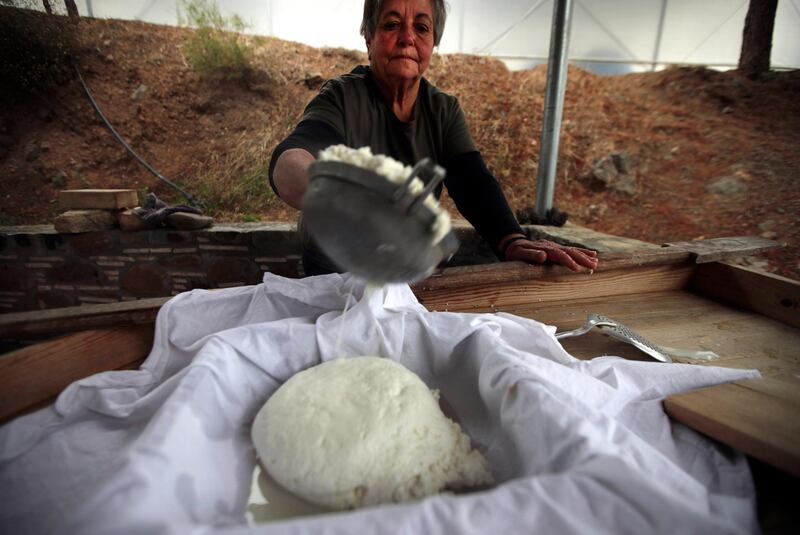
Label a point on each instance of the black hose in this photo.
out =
(189, 197)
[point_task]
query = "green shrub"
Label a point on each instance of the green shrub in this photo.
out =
(217, 44)
(35, 52)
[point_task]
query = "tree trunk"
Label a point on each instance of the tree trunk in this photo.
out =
(47, 8)
(757, 37)
(72, 9)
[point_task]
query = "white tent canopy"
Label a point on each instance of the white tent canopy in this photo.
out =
(610, 36)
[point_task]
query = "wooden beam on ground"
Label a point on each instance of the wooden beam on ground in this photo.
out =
(35, 375)
(758, 417)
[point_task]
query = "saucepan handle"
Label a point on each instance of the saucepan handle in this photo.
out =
(438, 173)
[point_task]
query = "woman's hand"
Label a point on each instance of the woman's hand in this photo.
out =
(518, 247)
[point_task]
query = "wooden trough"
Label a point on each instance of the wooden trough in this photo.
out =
(682, 296)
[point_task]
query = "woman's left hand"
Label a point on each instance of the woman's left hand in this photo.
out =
(541, 251)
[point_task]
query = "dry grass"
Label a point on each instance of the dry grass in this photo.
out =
(233, 182)
(681, 129)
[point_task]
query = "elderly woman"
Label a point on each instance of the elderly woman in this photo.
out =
(389, 107)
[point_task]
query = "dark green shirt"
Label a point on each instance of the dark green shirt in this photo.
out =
(350, 110)
(353, 106)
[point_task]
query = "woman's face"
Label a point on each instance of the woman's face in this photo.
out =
(401, 47)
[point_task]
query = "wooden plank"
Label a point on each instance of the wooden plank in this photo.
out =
(648, 299)
(646, 255)
(563, 286)
(743, 339)
(506, 272)
(97, 199)
(785, 388)
(572, 234)
(678, 319)
(769, 366)
(771, 295)
(716, 249)
(69, 319)
(748, 416)
(74, 221)
(37, 374)
(42, 323)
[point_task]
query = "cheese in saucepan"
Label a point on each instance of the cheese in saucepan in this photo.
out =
(394, 171)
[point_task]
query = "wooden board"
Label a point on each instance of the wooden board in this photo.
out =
(489, 284)
(771, 295)
(97, 199)
(40, 323)
(546, 283)
(759, 417)
(649, 297)
(559, 286)
(509, 272)
(35, 375)
(678, 319)
(74, 221)
(572, 234)
(716, 249)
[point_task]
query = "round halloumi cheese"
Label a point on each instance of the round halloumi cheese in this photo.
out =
(363, 431)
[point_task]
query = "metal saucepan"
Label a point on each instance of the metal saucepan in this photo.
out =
(372, 227)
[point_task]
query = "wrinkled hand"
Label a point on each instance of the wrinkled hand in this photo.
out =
(540, 251)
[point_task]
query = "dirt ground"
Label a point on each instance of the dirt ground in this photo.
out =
(674, 155)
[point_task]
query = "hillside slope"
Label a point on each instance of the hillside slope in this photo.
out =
(674, 155)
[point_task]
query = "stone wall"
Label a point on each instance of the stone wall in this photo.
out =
(40, 268)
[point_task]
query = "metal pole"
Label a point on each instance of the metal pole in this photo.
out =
(553, 107)
(461, 30)
(271, 7)
(657, 48)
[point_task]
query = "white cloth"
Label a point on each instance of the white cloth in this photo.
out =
(576, 446)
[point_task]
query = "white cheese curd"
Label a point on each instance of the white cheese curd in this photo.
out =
(362, 431)
(395, 172)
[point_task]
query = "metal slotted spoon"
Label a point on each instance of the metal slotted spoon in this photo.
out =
(372, 227)
(616, 330)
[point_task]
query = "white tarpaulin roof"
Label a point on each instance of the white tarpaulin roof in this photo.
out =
(638, 33)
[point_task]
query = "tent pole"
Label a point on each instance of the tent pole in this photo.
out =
(659, 33)
(553, 107)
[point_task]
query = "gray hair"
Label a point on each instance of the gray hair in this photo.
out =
(373, 8)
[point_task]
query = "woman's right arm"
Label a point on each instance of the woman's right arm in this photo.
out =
(290, 176)
(288, 167)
